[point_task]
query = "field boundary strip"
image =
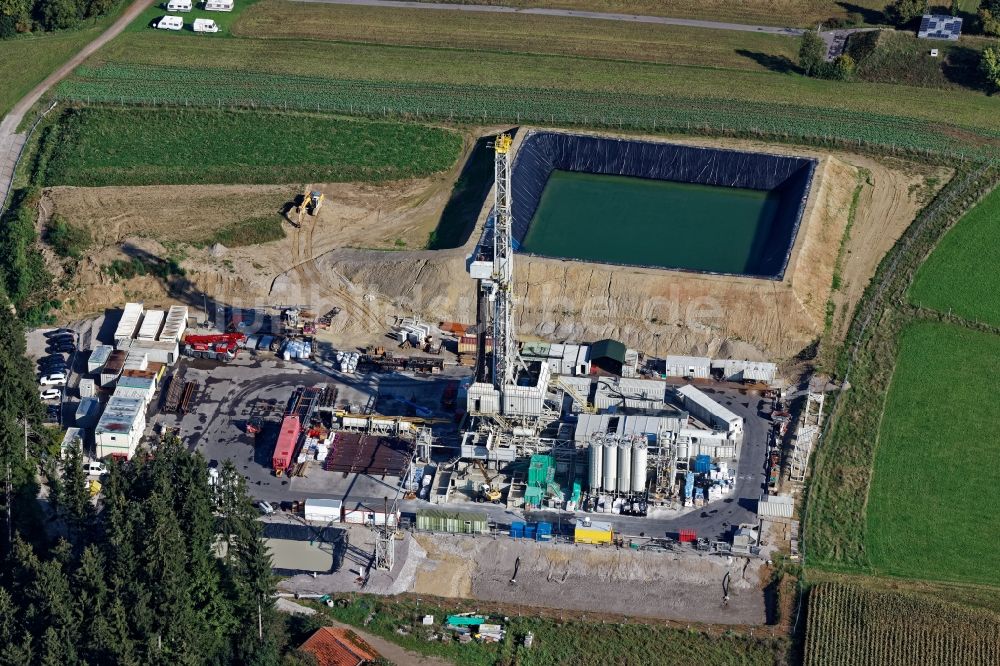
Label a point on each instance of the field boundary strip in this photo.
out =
(20, 154)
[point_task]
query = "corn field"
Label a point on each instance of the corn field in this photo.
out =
(172, 86)
(849, 624)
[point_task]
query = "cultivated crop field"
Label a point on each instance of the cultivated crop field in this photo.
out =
(108, 146)
(932, 504)
(961, 275)
(849, 624)
(148, 84)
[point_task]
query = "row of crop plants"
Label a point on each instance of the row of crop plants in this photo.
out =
(849, 624)
(142, 84)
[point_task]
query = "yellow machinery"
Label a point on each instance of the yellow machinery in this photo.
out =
(592, 531)
(311, 202)
(488, 492)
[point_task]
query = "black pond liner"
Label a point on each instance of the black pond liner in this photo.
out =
(541, 153)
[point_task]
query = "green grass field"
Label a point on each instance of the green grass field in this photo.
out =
(26, 61)
(555, 643)
(514, 68)
(143, 22)
(254, 231)
(518, 33)
(763, 12)
(931, 510)
(107, 146)
(961, 274)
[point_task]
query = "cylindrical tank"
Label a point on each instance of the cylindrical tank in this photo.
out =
(522, 432)
(596, 465)
(683, 452)
(640, 458)
(610, 467)
(624, 466)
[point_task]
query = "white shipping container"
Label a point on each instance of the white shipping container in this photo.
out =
(323, 510)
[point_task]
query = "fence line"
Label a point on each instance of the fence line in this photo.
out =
(20, 154)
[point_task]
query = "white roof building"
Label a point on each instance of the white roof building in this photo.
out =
(708, 411)
(120, 429)
(129, 323)
(694, 367)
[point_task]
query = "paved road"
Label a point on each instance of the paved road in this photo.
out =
(10, 141)
(569, 13)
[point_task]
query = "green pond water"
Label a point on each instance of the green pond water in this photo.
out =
(620, 219)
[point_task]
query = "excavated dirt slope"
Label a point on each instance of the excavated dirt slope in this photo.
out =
(657, 311)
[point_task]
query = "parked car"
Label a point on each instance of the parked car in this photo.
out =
(64, 349)
(52, 366)
(95, 468)
(265, 508)
(60, 331)
(54, 379)
(49, 394)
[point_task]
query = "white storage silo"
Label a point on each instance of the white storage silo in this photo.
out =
(624, 466)
(596, 465)
(640, 458)
(610, 467)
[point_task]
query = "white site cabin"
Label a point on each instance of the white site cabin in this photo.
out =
(170, 23)
(205, 25)
(180, 6)
(219, 5)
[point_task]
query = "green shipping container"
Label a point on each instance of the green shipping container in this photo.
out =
(454, 522)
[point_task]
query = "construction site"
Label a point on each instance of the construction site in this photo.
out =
(350, 408)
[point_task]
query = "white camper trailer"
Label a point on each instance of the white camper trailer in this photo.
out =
(205, 25)
(179, 5)
(170, 23)
(219, 5)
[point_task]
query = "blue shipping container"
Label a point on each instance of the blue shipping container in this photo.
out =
(544, 532)
(703, 464)
(529, 531)
(517, 530)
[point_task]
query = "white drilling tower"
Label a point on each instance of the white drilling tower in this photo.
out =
(497, 391)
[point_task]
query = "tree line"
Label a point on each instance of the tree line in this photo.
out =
(20, 16)
(165, 568)
(169, 570)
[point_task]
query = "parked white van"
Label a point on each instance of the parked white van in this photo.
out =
(205, 25)
(94, 468)
(170, 23)
(179, 6)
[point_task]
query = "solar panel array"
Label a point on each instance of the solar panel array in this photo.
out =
(940, 26)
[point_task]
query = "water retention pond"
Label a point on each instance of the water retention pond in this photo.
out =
(657, 204)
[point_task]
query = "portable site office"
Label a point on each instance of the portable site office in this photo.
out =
(219, 5)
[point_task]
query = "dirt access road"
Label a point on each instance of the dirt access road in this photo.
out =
(10, 141)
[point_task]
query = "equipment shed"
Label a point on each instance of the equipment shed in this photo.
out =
(608, 355)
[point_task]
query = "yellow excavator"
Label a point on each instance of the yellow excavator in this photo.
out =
(310, 203)
(488, 491)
